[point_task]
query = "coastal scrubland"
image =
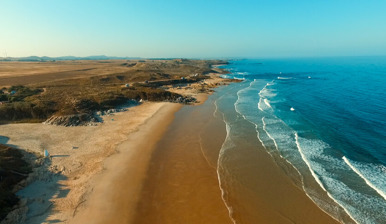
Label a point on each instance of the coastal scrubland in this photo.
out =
(34, 91)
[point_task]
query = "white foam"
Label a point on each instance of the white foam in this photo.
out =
(305, 154)
(284, 77)
(341, 205)
(258, 136)
(278, 138)
(307, 162)
(269, 135)
(223, 192)
(346, 198)
(238, 101)
(226, 143)
(314, 157)
(259, 104)
(266, 93)
(236, 108)
(267, 103)
(368, 182)
(292, 109)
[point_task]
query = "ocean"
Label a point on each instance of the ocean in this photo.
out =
(324, 117)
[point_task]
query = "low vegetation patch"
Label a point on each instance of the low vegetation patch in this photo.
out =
(13, 169)
(143, 81)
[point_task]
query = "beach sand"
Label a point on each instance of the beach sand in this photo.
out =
(116, 191)
(152, 164)
(182, 183)
(60, 187)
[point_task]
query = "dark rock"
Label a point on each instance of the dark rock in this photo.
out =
(72, 120)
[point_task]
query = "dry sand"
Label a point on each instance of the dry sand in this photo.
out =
(60, 187)
(117, 190)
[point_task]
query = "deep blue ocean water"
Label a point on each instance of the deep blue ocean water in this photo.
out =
(325, 116)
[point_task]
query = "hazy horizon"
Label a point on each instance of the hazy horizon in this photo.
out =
(199, 29)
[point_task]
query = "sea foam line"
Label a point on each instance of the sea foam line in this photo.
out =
(307, 162)
(223, 192)
(267, 103)
(216, 107)
(238, 99)
(258, 136)
(262, 98)
(230, 210)
(319, 182)
(269, 135)
(379, 191)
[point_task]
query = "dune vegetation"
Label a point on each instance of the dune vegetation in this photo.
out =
(64, 93)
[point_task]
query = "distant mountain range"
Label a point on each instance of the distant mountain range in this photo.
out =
(63, 58)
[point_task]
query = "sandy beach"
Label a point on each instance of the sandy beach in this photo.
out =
(182, 184)
(155, 163)
(60, 187)
(75, 181)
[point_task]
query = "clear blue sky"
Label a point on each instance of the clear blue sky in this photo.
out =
(196, 28)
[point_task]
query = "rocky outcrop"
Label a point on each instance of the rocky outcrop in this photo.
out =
(185, 100)
(109, 112)
(72, 120)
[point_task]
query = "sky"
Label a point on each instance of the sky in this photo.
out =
(193, 28)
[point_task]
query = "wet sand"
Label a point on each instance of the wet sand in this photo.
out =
(259, 191)
(182, 183)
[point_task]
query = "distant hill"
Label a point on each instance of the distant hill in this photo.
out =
(64, 58)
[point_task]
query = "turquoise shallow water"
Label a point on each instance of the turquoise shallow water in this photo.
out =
(326, 117)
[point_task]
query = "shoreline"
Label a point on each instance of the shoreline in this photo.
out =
(187, 179)
(182, 184)
(257, 189)
(137, 178)
(59, 188)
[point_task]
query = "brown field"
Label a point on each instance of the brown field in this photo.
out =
(24, 73)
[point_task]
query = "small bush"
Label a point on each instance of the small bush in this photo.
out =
(11, 161)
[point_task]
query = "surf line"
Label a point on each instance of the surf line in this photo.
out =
(379, 191)
(223, 191)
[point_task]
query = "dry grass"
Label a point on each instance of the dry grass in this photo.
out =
(72, 87)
